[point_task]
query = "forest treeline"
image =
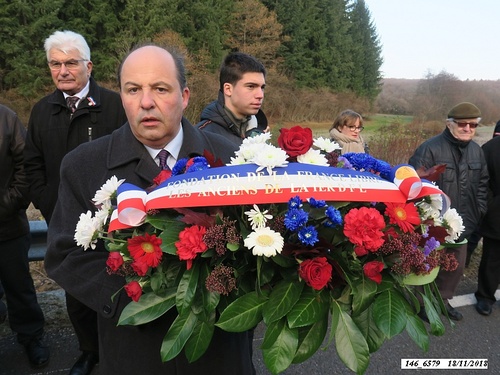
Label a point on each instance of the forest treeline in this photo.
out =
(430, 98)
(310, 47)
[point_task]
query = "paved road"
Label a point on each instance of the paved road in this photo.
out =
(475, 336)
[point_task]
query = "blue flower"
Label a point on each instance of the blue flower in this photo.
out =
(179, 167)
(308, 235)
(316, 203)
(295, 218)
(295, 202)
(199, 164)
(430, 245)
(368, 163)
(334, 217)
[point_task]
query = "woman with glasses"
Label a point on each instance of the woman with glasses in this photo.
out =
(346, 131)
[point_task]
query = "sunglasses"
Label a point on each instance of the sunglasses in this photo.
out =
(472, 125)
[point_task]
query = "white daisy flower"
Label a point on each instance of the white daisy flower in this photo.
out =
(101, 216)
(326, 145)
(454, 224)
(430, 207)
(264, 241)
(259, 138)
(270, 157)
(257, 218)
(248, 151)
(238, 160)
(313, 157)
(86, 231)
(107, 191)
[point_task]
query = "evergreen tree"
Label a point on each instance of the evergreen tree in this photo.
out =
(255, 30)
(366, 52)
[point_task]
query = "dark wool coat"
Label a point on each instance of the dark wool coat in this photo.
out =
(491, 222)
(13, 183)
(53, 132)
(465, 179)
(127, 349)
(214, 119)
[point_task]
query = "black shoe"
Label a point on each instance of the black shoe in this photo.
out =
(453, 313)
(38, 353)
(483, 307)
(85, 364)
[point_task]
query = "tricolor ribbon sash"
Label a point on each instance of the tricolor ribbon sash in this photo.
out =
(241, 184)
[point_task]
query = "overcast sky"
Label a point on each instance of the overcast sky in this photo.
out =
(461, 37)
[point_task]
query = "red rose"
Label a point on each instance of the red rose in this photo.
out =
(133, 290)
(191, 243)
(360, 251)
(115, 261)
(162, 176)
(140, 267)
(295, 141)
(373, 270)
(316, 272)
(363, 227)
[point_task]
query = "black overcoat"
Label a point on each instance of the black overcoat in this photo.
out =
(127, 349)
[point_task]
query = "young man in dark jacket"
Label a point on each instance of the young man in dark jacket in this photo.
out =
(465, 181)
(237, 114)
(25, 315)
(77, 112)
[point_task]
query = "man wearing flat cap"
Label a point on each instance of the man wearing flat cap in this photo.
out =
(465, 181)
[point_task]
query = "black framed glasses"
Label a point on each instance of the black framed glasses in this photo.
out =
(463, 124)
(70, 64)
(354, 128)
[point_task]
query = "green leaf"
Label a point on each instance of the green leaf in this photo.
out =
(210, 300)
(280, 355)
(364, 293)
(149, 307)
(437, 326)
(310, 339)
(416, 330)
(284, 295)
(199, 340)
(174, 273)
(187, 288)
(272, 333)
(177, 335)
(310, 308)
(164, 220)
(389, 313)
(170, 236)
(352, 347)
(374, 336)
(243, 313)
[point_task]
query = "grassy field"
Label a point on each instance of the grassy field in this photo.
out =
(371, 123)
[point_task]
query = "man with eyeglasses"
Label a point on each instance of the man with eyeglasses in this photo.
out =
(78, 111)
(465, 181)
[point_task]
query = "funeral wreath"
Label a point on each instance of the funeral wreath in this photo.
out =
(315, 246)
